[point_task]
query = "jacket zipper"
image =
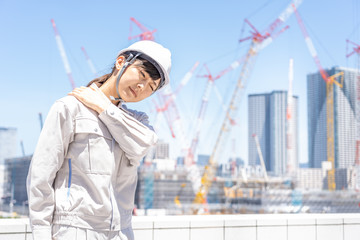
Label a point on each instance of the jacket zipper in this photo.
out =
(69, 182)
(111, 189)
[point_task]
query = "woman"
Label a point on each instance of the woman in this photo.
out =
(82, 178)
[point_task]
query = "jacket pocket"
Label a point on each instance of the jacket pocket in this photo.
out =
(93, 146)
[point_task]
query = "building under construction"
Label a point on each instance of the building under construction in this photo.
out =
(246, 192)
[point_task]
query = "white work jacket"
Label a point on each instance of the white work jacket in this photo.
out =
(84, 170)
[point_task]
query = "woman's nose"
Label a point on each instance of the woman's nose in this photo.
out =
(140, 85)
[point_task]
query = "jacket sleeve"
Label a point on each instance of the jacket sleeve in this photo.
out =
(48, 157)
(134, 138)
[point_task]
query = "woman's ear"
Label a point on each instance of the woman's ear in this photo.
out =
(119, 62)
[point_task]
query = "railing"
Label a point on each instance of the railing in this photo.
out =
(226, 227)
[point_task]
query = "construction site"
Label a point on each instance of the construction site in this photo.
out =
(272, 181)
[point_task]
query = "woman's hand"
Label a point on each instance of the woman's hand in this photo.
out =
(92, 97)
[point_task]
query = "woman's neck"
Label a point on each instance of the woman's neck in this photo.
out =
(109, 89)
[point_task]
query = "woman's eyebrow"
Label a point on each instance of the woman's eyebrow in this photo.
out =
(156, 85)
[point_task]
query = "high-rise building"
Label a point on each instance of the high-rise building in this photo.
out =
(267, 119)
(16, 170)
(8, 140)
(203, 160)
(310, 178)
(259, 124)
(162, 150)
(344, 118)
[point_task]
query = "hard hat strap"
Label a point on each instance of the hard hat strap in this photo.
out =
(130, 60)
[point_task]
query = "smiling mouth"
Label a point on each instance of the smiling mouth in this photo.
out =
(133, 92)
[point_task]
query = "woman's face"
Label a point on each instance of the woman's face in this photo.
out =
(135, 84)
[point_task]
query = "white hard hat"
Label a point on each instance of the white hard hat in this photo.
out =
(156, 54)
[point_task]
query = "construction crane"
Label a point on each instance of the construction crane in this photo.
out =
(146, 33)
(258, 42)
(356, 49)
(204, 101)
(260, 157)
(167, 105)
(90, 63)
(173, 111)
(330, 81)
(290, 169)
(169, 95)
(63, 54)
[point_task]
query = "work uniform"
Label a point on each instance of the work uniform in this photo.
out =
(83, 173)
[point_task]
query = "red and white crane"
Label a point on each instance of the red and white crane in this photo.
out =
(355, 49)
(167, 106)
(145, 34)
(91, 65)
(63, 54)
(330, 81)
(204, 102)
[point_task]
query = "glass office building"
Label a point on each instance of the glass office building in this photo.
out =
(344, 118)
(267, 119)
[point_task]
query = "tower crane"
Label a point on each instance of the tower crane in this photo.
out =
(205, 98)
(63, 54)
(356, 49)
(330, 81)
(169, 107)
(258, 42)
(146, 33)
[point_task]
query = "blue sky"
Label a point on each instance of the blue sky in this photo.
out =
(33, 76)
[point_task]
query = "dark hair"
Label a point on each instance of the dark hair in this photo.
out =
(139, 62)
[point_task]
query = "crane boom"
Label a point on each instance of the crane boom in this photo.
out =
(146, 33)
(91, 65)
(204, 103)
(256, 45)
(63, 54)
(261, 157)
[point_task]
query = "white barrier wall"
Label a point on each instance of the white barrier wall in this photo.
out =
(226, 227)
